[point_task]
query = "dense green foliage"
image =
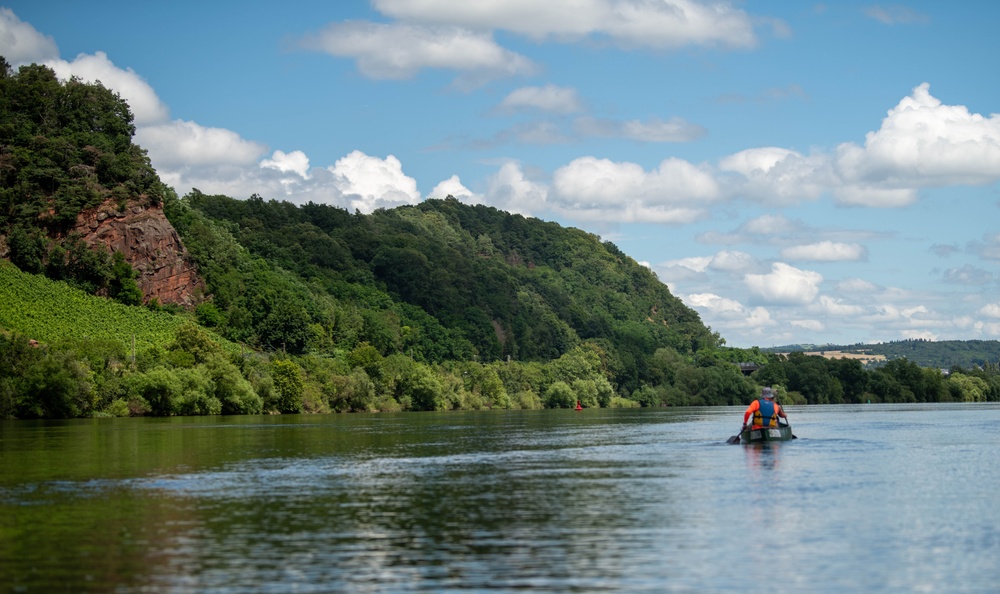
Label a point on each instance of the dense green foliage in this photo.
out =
(440, 281)
(810, 379)
(64, 148)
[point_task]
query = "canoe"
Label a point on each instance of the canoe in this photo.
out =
(766, 434)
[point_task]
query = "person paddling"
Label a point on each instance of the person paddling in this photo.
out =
(765, 411)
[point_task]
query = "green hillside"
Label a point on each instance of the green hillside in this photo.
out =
(439, 281)
(50, 311)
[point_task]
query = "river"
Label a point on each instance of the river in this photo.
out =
(870, 498)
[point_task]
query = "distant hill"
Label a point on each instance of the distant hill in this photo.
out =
(926, 353)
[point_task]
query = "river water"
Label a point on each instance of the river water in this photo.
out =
(872, 498)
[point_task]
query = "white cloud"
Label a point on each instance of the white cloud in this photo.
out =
(890, 15)
(510, 190)
(919, 335)
(778, 176)
(716, 304)
(785, 285)
(179, 144)
(731, 312)
(991, 310)
(550, 98)
(921, 143)
(826, 251)
(768, 225)
(836, 307)
(655, 130)
(875, 197)
(21, 44)
(589, 188)
(968, 275)
(924, 143)
(857, 285)
(733, 261)
(453, 187)
(399, 51)
(142, 99)
(697, 263)
(295, 162)
(371, 182)
(988, 248)
(811, 325)
(988, 328)
(662, 24)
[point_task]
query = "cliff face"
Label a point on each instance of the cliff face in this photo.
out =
(150, 244)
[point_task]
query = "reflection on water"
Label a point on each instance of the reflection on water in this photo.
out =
(623, 501)
(763, 456)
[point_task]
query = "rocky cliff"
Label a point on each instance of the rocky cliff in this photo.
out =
(150, 244)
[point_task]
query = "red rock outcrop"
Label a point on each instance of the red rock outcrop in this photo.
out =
(150, 244)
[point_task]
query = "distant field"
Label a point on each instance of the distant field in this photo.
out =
(864, 358)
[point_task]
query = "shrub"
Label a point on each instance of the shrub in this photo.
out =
(560, 395)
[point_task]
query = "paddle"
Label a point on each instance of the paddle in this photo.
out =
(735, 439)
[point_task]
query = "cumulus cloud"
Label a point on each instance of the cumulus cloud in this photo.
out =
(21, 44)
(550, 98)
(295, 162)
(695, 263)
(991, 310)
(856, 285)
(179, 143)
(826, 251)
(837, 307)
(988, 248)
(733, 261)
(453, 187)
(785, 284)
(633, 23)
(655, 130)
(734, 314)
(372, 183)
(811, 325)
(589, 188)
(511, 190)
(968, 275)
(768, 225)
(399, 51)
(923, 142)
(778, 176)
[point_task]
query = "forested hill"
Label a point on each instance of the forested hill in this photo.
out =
(441, 280)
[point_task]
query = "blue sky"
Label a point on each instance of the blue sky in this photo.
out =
(796, 172)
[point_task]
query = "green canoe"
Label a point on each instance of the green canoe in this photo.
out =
(766, 434)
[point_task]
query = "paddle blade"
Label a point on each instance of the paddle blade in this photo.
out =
(733, 440)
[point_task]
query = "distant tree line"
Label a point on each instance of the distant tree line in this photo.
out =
(810, 379)
(942, 354)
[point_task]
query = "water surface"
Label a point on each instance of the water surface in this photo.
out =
(874, 498)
